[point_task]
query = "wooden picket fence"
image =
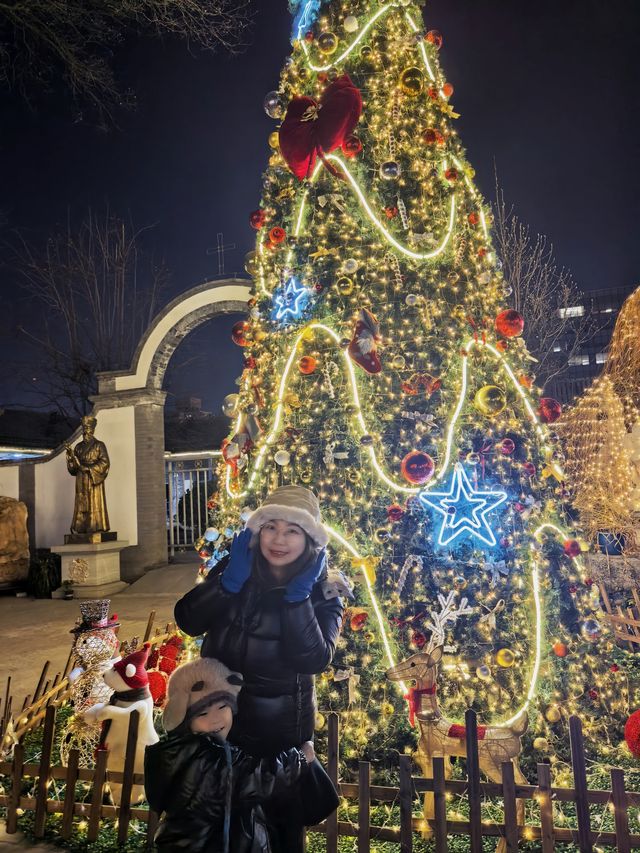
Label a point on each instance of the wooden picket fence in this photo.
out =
(584, 837)
(14, 725)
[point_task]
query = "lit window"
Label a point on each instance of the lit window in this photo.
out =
(601, 357)
(557, 348)
(579, 360)
(572, 311)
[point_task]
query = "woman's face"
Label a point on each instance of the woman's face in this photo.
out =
(281, 542)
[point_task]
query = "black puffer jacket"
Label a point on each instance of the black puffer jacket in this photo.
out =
(199, 781)
(277, 646)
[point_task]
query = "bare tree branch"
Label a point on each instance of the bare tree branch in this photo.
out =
(543, 293)
(94, 293)
(42, 40)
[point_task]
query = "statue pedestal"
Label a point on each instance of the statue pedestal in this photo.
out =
(102, 562)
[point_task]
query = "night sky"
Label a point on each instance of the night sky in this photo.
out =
(548, 90)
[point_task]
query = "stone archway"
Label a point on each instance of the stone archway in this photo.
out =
(140, 390)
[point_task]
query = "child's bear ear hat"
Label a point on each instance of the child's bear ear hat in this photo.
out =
(196, 685)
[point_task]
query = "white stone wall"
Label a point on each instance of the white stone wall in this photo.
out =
(10, 481)
(55, 487)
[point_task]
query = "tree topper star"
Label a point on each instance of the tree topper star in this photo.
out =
(291, 301)
(464, 509)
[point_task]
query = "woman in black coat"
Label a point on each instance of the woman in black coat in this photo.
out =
(273, 613)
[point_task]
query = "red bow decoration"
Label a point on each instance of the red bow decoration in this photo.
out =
(311, 129)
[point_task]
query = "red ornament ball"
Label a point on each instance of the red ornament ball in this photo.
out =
(277, 235)
(431, 136)
(549, 410)
(509, 323)
(571, 548)
(239, 333)
(158, 687)
(529, 469)
(307, 365)
(451, 175)
(507, 446)
(434, 37)
(614, 668)
(473, 218)
(447, 90)
(632, 733)
(249, 362)
(258, 218)
(358, 620)
(593, 694)
(418, 640)
(417, 467)
(391, 211)
(167, 665)
(352, 146)
(560, 650)
(395, 512)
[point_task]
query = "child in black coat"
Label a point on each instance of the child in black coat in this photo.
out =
(211, 792)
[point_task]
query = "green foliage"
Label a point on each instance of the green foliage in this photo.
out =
(44, 573)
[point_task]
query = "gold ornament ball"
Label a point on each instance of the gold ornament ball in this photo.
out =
(320, 721)
(552, 714)
(490, 401)
(306, 475)
(327, 43)
(344, 285)
(354, 477)
(505, 658)
(369, 637)
(541, 744)
(274, 140)
(387, 709)
(259, 335)
(292, 399)
(327, 675)
(412, 81)
(398, 362)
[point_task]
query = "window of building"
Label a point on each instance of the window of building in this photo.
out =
(557, 348)
(571, 311)
(601, 357)
(579, 360)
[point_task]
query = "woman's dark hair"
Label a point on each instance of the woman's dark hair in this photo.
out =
(260, 565)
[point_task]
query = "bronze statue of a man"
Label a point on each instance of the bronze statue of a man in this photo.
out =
(89, 464)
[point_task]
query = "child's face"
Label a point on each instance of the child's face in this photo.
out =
(216, 720)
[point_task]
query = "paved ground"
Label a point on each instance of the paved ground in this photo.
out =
(18, 842)
(34, 631)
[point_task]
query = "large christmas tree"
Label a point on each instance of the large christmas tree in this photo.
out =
(385, 370)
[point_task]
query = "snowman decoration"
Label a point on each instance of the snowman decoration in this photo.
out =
(129, 680)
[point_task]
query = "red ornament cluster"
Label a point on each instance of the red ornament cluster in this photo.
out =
(509, 323)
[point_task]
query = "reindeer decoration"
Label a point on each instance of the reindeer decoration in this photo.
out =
(441, 737)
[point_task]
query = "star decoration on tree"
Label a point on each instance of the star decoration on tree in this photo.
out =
(464, 509)
(290, 302)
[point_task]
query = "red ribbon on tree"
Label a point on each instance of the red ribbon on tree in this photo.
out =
(311, 129)
(413, 698)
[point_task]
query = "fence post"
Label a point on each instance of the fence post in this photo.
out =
(124, 812)
(333, 747)
(623, 844)
(149, 628)
(16, 786)
(39, 691)
(473, 788)
(43, 773)
(364, 806)
(440, 804)
(580, 784)
(546, 809)
(70, 793)
(95, 813)
(510, 807)
(406, 803)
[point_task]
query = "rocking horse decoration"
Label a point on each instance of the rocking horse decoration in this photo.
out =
(440, 737)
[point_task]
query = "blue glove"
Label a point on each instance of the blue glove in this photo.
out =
(301, 585)
(238, 569)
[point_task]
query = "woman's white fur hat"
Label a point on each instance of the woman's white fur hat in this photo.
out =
(295, 504)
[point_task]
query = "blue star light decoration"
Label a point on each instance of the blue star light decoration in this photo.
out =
(290, 302)
(464, 509)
